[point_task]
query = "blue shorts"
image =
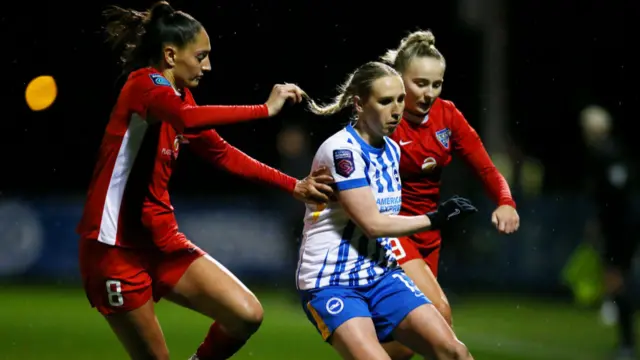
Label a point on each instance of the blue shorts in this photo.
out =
(387, 302)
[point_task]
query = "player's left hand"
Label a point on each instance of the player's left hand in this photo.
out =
(506, 219)
(315, 188)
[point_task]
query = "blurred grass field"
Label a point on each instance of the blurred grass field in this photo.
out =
(40, 323)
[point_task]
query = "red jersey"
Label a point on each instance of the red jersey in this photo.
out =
(427, 148)
(128, 203)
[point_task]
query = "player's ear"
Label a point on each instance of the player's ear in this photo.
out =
(170, 55)
(357, 103)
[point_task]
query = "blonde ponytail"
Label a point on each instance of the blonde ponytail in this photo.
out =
(358, 83)
(417, 44)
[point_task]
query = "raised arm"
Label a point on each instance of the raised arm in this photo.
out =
(163, 103)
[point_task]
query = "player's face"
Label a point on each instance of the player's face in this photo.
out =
(423, 80)
(192, 61)
(382, 110)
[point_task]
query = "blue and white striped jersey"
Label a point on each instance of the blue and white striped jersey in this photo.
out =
(334, 251)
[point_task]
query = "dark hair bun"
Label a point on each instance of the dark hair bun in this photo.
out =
(160, 10)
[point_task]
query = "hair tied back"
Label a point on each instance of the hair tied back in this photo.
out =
(160, 10)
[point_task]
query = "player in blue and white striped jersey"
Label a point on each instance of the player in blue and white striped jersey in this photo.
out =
(335, 251)
(352, 289)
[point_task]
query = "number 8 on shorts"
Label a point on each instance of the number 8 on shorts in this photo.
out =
(114, 293)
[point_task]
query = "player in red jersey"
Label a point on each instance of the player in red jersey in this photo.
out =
(131, 251)
(433, 129)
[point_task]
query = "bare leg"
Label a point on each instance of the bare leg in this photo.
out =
(426, 332)
(423, 278)
(210, 289)
(140, 333)
(419, 272)
(397, 351)
(356, 339)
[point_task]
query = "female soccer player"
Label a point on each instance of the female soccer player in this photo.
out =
(131, 251)
(432, 129)
(352, 289)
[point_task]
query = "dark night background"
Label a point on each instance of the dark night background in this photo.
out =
(562, 55)
(520, 70)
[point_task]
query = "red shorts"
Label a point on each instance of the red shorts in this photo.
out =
(405, 249)
(118, 280)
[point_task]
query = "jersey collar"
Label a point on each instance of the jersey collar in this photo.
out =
(363, 144)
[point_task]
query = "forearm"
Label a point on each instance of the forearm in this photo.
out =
(494, 183)
(164, 105)
(468, 145)
(498, 189)
(241, 164)
(212, 148)
(396, 225)
(195, 117)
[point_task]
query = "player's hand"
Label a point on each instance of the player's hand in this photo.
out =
(280, 94)
(454, 209)
(315, 188)
(506, 219)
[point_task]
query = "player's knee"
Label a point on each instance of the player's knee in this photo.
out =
(253, 317)
(249, 317)
(453, 350)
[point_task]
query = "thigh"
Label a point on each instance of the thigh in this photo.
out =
(168, 267)
(426, 332)
(329, 308)
(431, 256)
(425, 280)
(140, 333)
(207, 287)
(356, 339)
(391, 299)
(115, 279)
(118, 286)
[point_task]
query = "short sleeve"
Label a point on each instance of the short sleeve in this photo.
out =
(346, 164)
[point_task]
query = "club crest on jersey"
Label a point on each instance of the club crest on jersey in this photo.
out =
(343, 161)
(176, 145)
(429, 164)
(159, 80)
(443, 136)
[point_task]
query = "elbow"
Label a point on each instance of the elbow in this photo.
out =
(375, 228)
(184, 119)
(183, 123)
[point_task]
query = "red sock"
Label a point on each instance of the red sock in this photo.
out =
(218, 345)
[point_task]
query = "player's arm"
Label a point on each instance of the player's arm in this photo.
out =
(163, 104)
(468, 145)
(361, 207)
(354, 193)
(213, 148)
